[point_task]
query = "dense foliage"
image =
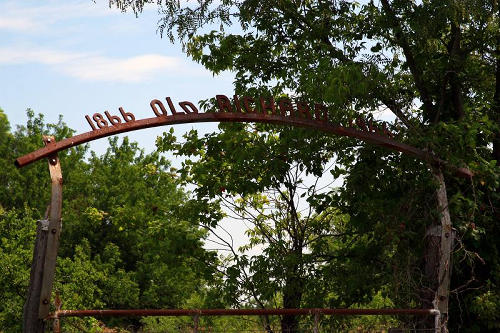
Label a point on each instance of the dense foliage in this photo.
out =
(434, 65)
(131, 236)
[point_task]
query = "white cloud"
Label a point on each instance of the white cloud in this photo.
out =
(17, 23)
(31, 17)
(92, 67)
(22, 55)
(134, 69)
(63, 23)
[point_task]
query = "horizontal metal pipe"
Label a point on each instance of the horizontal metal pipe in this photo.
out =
(238, 312)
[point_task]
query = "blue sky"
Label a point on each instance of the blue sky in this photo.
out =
(77, 57)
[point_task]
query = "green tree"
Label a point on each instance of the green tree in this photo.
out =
(130, 239)
(259, 176)
(16, 253)
(434, 65)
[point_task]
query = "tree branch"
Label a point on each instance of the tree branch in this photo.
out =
(396, 109)
(410, 59)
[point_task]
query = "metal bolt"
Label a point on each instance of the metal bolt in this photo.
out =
(53, 231)
(45, 301)
(44, 224)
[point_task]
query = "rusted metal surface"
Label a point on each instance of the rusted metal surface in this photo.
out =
(197, 313)
(56, 325)
(239, 312)
(31, 321)
(179, 118)
(54, 229)
(37, 304)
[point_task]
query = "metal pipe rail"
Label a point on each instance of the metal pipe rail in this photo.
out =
(239, 312)
(196, 313)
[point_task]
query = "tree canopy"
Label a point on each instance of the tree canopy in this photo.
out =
(131, 235)
(433, 65)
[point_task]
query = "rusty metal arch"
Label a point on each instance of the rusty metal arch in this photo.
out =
(326, 127)
(45, 252)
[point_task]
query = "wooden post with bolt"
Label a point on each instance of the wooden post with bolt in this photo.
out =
(445, 249)
(37, 305)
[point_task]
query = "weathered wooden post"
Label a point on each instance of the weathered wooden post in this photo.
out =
(446, 246)
(196, 320)
(316, 321)
(31, 322)
(439, 240)
(37, 305)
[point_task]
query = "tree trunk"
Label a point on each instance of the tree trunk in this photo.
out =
(292, 296)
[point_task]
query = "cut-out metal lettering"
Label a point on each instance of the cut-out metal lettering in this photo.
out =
(100, 122)
(282, 111)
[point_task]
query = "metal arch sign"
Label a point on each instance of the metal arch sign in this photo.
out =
(244, 109)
